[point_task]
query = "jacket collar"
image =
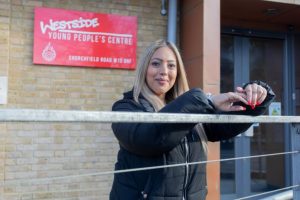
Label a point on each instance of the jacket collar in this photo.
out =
(146, 104)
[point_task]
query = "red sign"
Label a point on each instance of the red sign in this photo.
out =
(74, 38)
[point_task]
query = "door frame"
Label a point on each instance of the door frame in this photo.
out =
(242, 143)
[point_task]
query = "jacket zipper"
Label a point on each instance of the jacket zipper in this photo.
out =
(186, 169)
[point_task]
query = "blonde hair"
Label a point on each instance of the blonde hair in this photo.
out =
(141, 88)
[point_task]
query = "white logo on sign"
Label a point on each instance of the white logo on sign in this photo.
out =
(49, 53)
(72, 24)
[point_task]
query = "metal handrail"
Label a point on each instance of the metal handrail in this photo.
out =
(33, 115)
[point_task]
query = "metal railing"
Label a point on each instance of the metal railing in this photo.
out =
(29, 115)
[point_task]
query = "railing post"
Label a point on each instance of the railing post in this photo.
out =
(295, 143)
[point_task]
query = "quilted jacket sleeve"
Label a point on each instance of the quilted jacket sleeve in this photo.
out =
(157, 138)
(151, 139)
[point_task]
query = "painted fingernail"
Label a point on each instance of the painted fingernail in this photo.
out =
(249, 102)
(252, 107)
(258, 103)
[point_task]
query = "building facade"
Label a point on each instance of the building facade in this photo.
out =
(224, 43)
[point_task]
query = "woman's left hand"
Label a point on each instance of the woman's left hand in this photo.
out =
(253, 95)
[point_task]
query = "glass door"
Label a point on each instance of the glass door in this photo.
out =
(297, 73)
(266, 63)
(227, 146)
(244, 59)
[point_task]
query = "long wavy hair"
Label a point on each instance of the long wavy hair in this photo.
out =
(140, 86)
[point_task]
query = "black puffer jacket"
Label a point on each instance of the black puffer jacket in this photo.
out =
(154, 144)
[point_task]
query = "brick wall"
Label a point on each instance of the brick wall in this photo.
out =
(4, 63)
(30, 151)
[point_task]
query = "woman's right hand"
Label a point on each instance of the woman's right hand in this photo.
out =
(225, 101)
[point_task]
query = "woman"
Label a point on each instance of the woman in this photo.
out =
(161, 86)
